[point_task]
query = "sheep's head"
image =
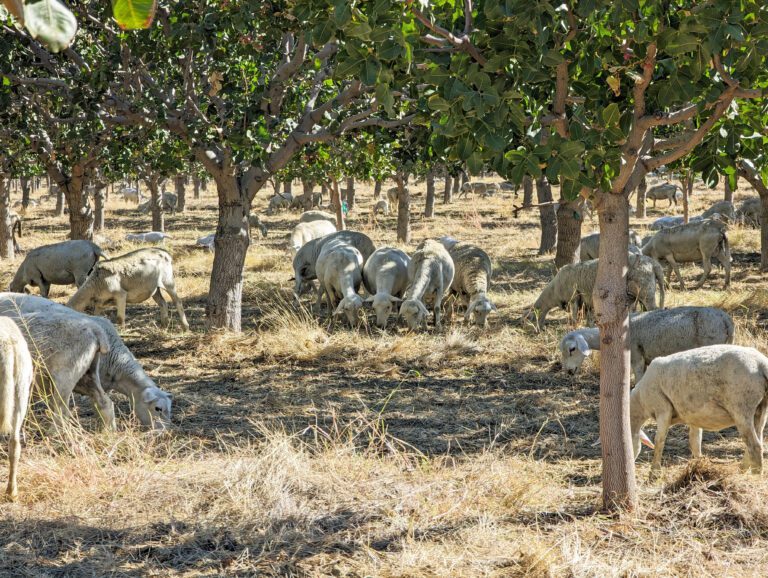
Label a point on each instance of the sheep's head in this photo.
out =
(382, 306)
(573, 351)
(479, 309)
(350, 306)
(415, 314)
(154, 408)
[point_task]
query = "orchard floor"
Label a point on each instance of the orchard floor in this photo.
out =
(301, 449)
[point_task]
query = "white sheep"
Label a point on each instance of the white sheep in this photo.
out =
(206, 242)
(708, 388)
(303, 233)
(653, 334)
(386, 277)
(315, 215)
(750, 212)
(16, 373)
(151, 237)
(430, 274)
(589, 248)
(381, 206)
(279, 202)
(664, 191)
(471, 281)
(340, 272)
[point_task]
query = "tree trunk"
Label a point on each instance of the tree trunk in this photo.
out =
(464, 177)
(99, 195)
(181, 192)
(527, 191)
(25, 192)
(448, 190)
(429, 207)
(6, 229)
(728, 190)
(224, 306)
(569, 219)
(196, 187)
(307, 186)
(547, 217)
(156, 202)
(456, 188)
(350, 193)
(288, 188)
(377, 190)
(403, 210)
(612, 316)
(687, 183)
(641, 190)
(59, 211)
(754, 179)
(78, 202)
(336, 202)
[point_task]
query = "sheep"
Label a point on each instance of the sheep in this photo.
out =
(471, 280)
(305, 259)
(206, 242)
(479, 188)
(305, 232)
(393, 196)
(386, 277)
(690, 243)
(590, 245)
(339, 271)
(169, 200)
(509, 187)
(430, 274)
(664, 191)
(725, 209)
(381, 206)
(309, 216)
(64, 263)
(67, 348)
(306, 201)
(131, 194)
(16, 374)
(653, 334)
(151, 237)
(254, 221)
(712, 388)
(575, 283)
(118, 369)
(750, 212)
(130, 278)
(279, 202)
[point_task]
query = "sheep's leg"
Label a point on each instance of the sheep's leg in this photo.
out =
(753, 456)
(724, 257)
(694, 441)
(638, 363)
(14, 454)
(706, 264)
(663, 421)
(121, 298)
(163, 304)
(170, 288)
(671, 260)
(436, 306)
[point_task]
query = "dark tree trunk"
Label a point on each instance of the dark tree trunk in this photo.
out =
(464, 177)
(180, 186)
(225, 296)
(429, 207)
(350, 193)
(547, 217)
(527, 191)
(196, 187)
(687, 183)
(78, 202)
(403, 210)
(156, 202)
(59, 211)
(456, 188)
(377, 190)
(99, 197)
(287, 188)
(448, 190)
(307, 186)
(336, 203)
(25, 192)
(641, 190)
(728, 190)
(569, 219)
(6, 229)
(754, 179)
(612, 316)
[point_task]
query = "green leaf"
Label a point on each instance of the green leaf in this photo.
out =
(360, 30)
(464, 148)
(385, 98)
(437, 102)
(371, 71)
(552, 57)
(532, 166)
(134, 14)
(390, 50)
(569, 168)
(322, 32)
(682, 42)
(347, 69)
(50, 22)
(571, 149)
(611, 114)
(342, 13)
(475, 163)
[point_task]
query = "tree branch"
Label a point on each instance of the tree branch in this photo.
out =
(461, 42)
(273, 101)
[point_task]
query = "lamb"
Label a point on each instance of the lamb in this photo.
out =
(430, 274)
(16, 373)
(575, 283)
(666, 191)
(339, 270)
(724, 209)
(130, 278)
(309, 216)
(690, 243)
(386, 277)
(712, 388)
(471, 281)
(653, 334)
(381, 206)
(64, 263)
(305, 259)
(305, 232)
(254, 221)
(750, 212)
(279, 202)
(151, 237)
(590, 245)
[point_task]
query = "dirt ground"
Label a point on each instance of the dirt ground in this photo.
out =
(303, 449)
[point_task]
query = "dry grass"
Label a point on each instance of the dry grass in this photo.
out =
(303, 448)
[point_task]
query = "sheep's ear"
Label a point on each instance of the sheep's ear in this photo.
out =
(148, 395)
(583, 346)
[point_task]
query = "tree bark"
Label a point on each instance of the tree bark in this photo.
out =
(25, 192)
(547, 217)
(403, 209)
(99, 195)
(78, 202)
(754, 179)
(156, 202)
(429, 207)
(527, 191)
(59, 210)
(448, 190)
(307, 186)
(181, 192)
(336, 203)
(456, 188)
(6, 229)
(687, 183)
(377, 190)
(728, 191)
(350, 193)
(196, 187)
(288, 188)
(641, 190)
(464, 177)
(612, 316)
(569, 219)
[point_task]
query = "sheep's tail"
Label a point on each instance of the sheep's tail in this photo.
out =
(7, 385)
(658, 272)
(100, 253)
(101, 338)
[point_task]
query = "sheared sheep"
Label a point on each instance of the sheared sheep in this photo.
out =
(430, 274)
(381, 206)
(471, 281)
(279, 202)
(590, 245)
(750, 212)
(310, 216)
(340, 273)
(254, 221)
(709, 388)
(664, 191)
(151, 237)
(64, 263)
(724, 209)
(386, 277)
(653, 334)
(303, 233)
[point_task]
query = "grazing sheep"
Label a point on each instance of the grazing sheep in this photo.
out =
(478, 188)
(254, 221)
(699, 241)
(724, 209)
(279, 202)
(509, 187)
(430, 274)
(170, 201)
(16, 373)
(131, 194)
(306, 201)
(666, 191)
(206, 242)
(393, 196)
(471, 280)
(381, 206)
(303, 233)
(386, 277)
(709, 388)
(309, 216)
(573, 284)
(590, 245)
(130, 278)
(305, 259)
(64, 263)
(340, 273)
(151, 237)
(750, 212)
(653, 334)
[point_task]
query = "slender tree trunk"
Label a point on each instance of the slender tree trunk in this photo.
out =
(25, 192)
(547, 217)
(448, 190)
(377, 190)
(156, 202)
(350, 193)
(324, 192)
(527, 191)
(728, 191)
(307, 186)
(429, 207)
(78, 202)
(569, 219)
(456, 188)
(464, 177)
(288, 188)
(59, 211)
(403, 209)
(180, 186)
(612, 315)
(99, 195)
(336, 203)
(6, 229)
(754, 179)
(641, 190)
(196, 187)
(686, 181)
